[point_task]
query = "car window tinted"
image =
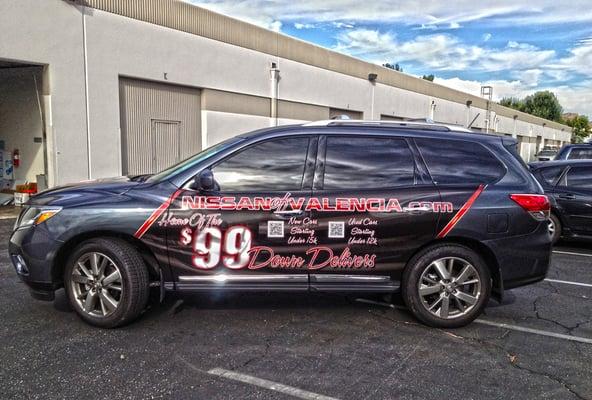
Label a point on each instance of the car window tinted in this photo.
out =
(578, 177)
(193, 160)
(269, 166)
(551, 175)
(459, 161)
(580, 154)
(367, 163)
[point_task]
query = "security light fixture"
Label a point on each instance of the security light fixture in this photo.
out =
(372, 77)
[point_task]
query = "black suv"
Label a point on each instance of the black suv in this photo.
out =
(581, 151)
(569, 184)
(447, 217)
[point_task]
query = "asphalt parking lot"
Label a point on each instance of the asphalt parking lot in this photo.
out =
(537, 344)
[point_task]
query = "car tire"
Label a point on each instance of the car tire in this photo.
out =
(433, 289)
(555, 228)
(107, 282)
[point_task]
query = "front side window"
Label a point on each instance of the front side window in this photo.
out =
(459, 161)
(578, 177)
(367, 163)
(580, 154)
(274, 165)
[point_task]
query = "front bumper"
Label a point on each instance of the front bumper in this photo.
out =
(32, 252)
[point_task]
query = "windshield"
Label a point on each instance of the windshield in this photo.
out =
(191, 161)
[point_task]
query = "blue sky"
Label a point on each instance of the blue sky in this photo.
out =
(516, 48)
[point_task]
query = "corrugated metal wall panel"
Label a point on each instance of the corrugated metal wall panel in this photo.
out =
(148, 112)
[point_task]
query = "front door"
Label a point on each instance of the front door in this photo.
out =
(574, 195)
(374, 210)
(240, 235)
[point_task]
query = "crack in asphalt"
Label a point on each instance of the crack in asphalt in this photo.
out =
(257, 357)
(512, 358)
(535, 307)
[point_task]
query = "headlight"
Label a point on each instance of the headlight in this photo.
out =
(35, 216)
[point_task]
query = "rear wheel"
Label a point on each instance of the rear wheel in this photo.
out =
(107, 282)
(555, 228)
(446, 286)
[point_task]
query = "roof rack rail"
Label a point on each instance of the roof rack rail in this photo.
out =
(393, 124)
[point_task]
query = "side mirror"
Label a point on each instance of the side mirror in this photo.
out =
(204, 181)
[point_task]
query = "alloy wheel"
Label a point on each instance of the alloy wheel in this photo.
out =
(449, 287)
(97, 284)
(551, 226)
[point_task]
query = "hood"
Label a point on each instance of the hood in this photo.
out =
(87, 191)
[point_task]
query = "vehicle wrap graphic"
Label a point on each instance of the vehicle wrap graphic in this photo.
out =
(281, 232)
(156, 214)
(461, 212)
(287, 202)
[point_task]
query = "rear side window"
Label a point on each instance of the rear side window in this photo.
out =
(551, 175)
(459, 161)
(367, 163)
(578, 177)
(269, 166)
(580, 154)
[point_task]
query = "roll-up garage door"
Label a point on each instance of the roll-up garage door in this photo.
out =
(160, 125)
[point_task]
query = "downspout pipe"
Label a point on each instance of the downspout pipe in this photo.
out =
(275, 81)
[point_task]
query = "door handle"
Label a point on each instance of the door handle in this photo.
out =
(567, 196)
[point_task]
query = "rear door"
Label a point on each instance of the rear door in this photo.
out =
(574, 195)
(238, 236)
(374, 208)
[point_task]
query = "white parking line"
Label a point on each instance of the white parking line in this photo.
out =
(571, 253)
(498, 324)
(569, 282)
(270, 385)
(534, 331)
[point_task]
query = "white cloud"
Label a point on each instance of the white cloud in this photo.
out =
(341, 25)
(440, 52)
(275, 26)
(299, 25)
(576, 98)
(486, 37)
(412, 12)
(579, 60)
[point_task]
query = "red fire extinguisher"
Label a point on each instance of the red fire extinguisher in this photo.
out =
(16, 158)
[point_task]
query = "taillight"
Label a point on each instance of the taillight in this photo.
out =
(537, 205)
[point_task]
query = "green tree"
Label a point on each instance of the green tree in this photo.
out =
(580, 128)
(512, 102)
(429, 77)
(395, 66)
(543, 104)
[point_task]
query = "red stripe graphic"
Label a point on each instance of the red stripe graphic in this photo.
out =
(157, 213)
(463, 210)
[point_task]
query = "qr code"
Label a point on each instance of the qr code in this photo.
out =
(275, 229)
(336, 229)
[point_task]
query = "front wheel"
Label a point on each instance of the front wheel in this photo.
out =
(446, 286)
(107, 282)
